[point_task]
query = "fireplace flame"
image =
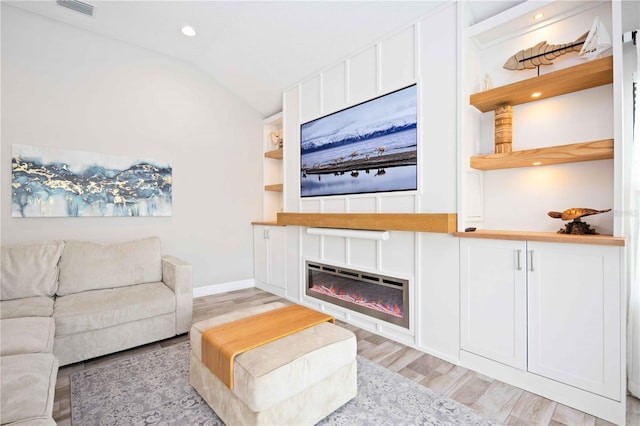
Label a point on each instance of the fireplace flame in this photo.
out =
(357, 299)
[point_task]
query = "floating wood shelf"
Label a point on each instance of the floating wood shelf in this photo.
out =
(572, 79)
(413, 222)
(276, 154)
(605, 240)
(276, 187)
(573, 153)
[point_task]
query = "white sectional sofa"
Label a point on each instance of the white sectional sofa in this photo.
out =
(64, 302)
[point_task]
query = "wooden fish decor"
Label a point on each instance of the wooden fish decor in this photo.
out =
(542, 54)
(576, 226)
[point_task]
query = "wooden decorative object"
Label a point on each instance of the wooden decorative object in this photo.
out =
(276, 138)
(576, 227)
(503, 131)
(575, 213)
(542, 54)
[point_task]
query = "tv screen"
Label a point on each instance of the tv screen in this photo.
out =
(369, 147)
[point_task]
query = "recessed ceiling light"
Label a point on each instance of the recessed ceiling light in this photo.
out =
(536, 163)
(188, 31)
(536, 94)
(538, 16)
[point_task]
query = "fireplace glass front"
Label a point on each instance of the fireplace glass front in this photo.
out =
(379, 296)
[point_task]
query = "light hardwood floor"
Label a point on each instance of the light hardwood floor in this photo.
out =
(503, 403)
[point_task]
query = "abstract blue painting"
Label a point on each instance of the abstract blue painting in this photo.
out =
(48, 182)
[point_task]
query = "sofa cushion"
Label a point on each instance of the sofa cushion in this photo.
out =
(26, 335)
(93, 310)
(29, 270)
(90, 266)
(40, 306)
(28, 383)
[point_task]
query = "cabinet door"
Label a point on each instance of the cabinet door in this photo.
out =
(260, 253)
(277, 256)
(493, 300)
(574, 315)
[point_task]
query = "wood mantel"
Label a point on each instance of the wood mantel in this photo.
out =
(413, 222)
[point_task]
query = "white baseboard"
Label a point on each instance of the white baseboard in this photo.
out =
(222, 288)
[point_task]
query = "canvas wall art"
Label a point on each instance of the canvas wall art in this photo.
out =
(48, 182)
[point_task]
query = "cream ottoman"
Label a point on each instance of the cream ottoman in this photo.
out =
(299, 379)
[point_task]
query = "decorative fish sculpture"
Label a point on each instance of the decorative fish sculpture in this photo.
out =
(542, 54)
(575, 213)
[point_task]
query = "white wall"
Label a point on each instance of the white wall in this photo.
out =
(422, 53)
(69, 89)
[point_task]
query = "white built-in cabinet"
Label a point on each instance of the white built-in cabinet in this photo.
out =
(543, 311)
(269, 239)
(269, 258)
(574, 315)
(550, 309)
(493, 300)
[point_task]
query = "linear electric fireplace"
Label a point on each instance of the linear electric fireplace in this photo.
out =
(379, 296)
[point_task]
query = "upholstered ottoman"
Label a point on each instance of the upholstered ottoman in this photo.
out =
(298, 379)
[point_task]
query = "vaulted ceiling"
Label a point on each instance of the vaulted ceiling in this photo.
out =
(256, 49)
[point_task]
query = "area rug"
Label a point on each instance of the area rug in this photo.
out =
(153, 388)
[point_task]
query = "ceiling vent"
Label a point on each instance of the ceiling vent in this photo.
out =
(77, 5)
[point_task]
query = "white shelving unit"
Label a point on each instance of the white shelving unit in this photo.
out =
(272, 170)
(507, 198)
(574, 123)
(269, 239)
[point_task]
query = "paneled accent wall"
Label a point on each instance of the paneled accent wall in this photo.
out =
(423, 53)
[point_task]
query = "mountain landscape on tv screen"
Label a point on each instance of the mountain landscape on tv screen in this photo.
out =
(370, 147)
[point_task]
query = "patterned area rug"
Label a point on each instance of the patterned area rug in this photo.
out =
(153, 388)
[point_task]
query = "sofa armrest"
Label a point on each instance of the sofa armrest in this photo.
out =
(178, 276)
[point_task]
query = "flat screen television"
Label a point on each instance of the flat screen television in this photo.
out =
(366, 148)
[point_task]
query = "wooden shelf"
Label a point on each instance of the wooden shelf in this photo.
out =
(605, 240)
(276, 187)
(573, 153)
(414, 222)
(276, 154)
(572, 79)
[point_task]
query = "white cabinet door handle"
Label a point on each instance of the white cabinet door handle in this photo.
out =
(266, 234)
(518, 267)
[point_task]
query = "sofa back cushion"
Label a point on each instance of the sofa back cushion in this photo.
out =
(89, 266)
(29, 270)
